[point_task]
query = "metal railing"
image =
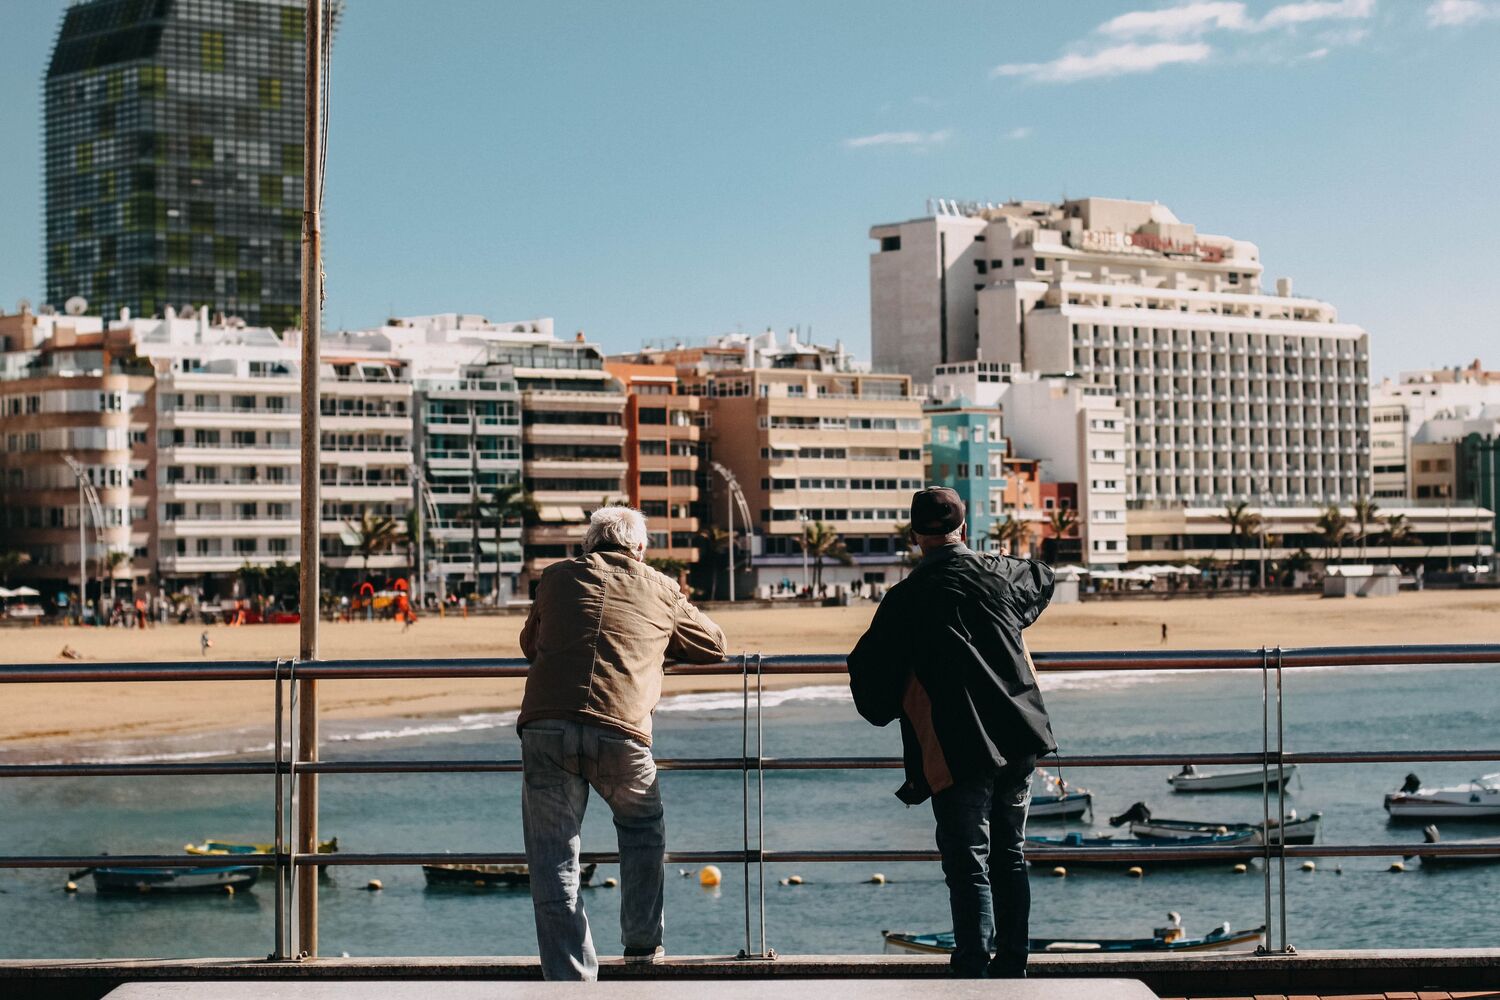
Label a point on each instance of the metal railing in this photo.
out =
(294, 767)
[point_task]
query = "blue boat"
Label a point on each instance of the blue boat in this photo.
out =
(174, 880)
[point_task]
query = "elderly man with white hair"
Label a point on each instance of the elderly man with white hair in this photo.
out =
(600, 629)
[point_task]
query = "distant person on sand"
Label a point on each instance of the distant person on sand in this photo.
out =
(944, 655)
(204, 642)
(598, 634)
(1163, 633)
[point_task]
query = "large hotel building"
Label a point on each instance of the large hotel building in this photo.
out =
(1227, 393)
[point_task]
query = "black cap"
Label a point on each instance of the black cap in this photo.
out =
(936, 510)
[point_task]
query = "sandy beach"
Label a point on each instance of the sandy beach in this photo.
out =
(52, 718)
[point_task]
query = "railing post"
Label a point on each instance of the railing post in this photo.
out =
(279, 950)
(1281, 802)
(1265, 789)
(745, 788)
(760, 801)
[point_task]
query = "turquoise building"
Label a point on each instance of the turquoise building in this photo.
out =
(966, 450)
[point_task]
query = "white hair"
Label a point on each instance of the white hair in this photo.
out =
(622, 527)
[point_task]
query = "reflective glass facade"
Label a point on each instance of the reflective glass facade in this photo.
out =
(173, 157)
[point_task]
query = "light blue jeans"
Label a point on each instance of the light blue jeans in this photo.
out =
(562, 760)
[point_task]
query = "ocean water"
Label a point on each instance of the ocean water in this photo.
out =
(1351, 903)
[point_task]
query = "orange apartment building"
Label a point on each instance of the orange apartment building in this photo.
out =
(809, 438)
(663, 438)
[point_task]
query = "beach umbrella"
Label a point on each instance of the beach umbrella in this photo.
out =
(7, 593)
(26, 592)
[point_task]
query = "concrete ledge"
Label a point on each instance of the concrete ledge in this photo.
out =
(734, 989)
(1168, 975)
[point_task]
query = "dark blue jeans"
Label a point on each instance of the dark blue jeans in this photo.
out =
(981, 830)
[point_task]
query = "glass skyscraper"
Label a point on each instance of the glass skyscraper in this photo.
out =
(173, 157)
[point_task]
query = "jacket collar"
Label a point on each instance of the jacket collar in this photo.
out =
(945, 553)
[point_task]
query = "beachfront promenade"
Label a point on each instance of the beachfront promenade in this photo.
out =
(296, 763)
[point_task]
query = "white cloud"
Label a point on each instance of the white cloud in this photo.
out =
(1450, 13)
(1114, 61)
(1175, 22)
(1019, 132)
(1316, 54)
(1315, 10)
(919, 140)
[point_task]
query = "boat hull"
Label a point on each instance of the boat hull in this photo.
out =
(146, 881)
(1402, 805)
(1296, 831)
(1069, 806)
(1109, 844)
(942, 944)
(1230, 781)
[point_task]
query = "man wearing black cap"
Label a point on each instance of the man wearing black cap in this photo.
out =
(944, 655)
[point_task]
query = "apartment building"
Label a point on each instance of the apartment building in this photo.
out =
(663, 438)
(228, 443)
(573, 443)
(71, 390)
(1073, 427)
(1390, 450)
(467, 430)
(809, 437)
(1226, 393)
(966, 450)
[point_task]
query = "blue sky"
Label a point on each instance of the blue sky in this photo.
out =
(674, 170)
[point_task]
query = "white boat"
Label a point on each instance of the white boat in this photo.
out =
(1430, 835)
(1476, 799)
(1056, 799)
(1189, 779)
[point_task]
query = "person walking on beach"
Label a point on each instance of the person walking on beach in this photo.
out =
(944, 655)
(600, 629)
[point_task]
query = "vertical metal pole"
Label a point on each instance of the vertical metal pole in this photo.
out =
(745, 788)
(729, 508)
(312, 314)
(760, 798)
(1281, 796)
(280, 950)
(1265, 784)
(83, 559)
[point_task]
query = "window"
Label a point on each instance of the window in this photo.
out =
(1041, 263)
(963, 470)
(653, 478)
(890, 243)
(276, 546)
(653, 415)
(981, 266)
(1019, 262)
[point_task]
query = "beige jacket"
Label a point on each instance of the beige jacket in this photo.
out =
(599, 631)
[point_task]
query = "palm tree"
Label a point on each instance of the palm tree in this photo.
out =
(113, 560)
(508, 503)
(1365, 511)
(413, 535)
(9, 563)
(909, 556)
(1013, 534)
(374, 534)
(1060, 521)
(713, 541)
(1397, 532)
(824, 543)
(1235, 515)
(1333, 527)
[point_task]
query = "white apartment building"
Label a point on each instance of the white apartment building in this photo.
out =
(1436, 406)
(1076, 428)
(1227, 393)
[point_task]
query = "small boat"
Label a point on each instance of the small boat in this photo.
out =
(1299, 829)
(330, 846)
(1189, 780)
(1059, 800)
(1430, 835)
(1104, 843)
(1163, 939)
(488, 876)
(174, 880)
(1477, 799)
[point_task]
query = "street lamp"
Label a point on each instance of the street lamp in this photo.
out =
(735, 497)
(806, 580)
